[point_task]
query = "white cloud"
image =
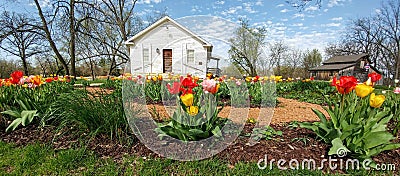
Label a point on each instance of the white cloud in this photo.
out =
(284, 10)
(297, 24)
(331, 25)
(282, 28)
(219, 2)
(195, 9)
(312, 8)
(259, 3)
(298, 15)
(231, 10)
(284, 19)
(148, 1)
(378, 11)
(333, 3)
(337, 19)
(280, 5)
(43, 3)
(248, 7)
(326, 10)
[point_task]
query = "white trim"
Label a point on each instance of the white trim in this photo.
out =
(142, 57)
(131, 41)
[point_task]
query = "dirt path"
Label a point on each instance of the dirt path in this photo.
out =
(287, 110)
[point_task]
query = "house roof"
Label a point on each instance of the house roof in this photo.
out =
(161, 21)
(331, 67)
(344, 59)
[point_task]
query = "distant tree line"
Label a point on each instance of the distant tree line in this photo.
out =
(377, 35)
(250, 55)
(72, 37)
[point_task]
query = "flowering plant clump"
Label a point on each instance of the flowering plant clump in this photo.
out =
(25, 98)
(196, 117)
(17, 78)
(357, 124)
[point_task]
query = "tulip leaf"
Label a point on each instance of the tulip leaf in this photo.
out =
(14, 124)
(27, 117)
(15, 114)
(320, 115)
(377, 138)
(337, 147)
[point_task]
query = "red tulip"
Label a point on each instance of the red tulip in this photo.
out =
(345, 85)
(334, 81)
(16, 76)
(374, 77)
(188, 83)
(49, 80)
(175, 88)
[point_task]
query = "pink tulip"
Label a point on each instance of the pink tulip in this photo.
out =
(209, 85)
(238, 83)
(397, 90)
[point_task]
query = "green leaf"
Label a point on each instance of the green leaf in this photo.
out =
(15, 114)
(377, 138)
(217, 132)
(320, 115)
(309, 126)
(27, 117)
(338, 148)
(14, 124)
(378, 150)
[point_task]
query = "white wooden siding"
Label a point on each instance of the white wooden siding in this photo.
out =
(168, 36)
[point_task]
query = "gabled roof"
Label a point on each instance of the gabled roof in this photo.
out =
(344, 59)
(331, 67)
(161, 21)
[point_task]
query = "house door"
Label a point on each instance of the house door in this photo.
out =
(167, 59)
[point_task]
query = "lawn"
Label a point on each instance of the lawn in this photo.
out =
(56, 128)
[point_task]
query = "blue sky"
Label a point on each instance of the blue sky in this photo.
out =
(309, 28)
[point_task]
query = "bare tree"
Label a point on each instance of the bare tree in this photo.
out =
(294, 62)
(278, 51)
(19, 37)
(49, 37)
(246, 48)
(378, 36)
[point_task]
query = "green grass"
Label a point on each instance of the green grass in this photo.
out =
(40, 159)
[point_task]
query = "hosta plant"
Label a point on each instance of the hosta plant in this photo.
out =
(358, 123)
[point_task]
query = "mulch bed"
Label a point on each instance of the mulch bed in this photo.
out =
(282, 147)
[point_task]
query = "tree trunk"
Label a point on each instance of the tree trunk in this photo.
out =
(25, 65)
(50, 39)
(72, 35)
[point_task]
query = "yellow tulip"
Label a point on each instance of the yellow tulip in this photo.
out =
(369, 82)
(193, 110)
(278, 78)
(376, 101)
(187, 99)
(363, 90)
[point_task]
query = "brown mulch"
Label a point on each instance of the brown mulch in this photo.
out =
(295, 143)
(287, 110)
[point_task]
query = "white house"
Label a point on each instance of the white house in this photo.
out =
(166, 46)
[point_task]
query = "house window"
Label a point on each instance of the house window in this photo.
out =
(190, 56)
(362, 64)
(146, 55)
